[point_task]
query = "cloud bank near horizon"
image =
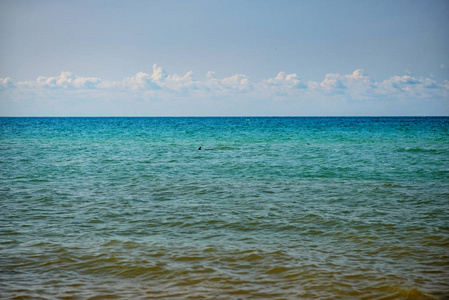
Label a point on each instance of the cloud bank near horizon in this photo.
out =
(160, 93)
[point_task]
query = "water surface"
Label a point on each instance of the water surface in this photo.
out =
(284, 208)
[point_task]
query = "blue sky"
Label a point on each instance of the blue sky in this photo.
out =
(151, 58)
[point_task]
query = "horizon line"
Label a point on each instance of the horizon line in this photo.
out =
(245, 116)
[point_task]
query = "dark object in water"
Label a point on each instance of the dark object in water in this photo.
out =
(206, 149)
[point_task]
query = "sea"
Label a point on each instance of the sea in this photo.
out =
(269, 208)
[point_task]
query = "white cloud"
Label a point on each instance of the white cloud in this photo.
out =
(6, 83)
(408, 86)
(67, 80)
(333, 83)
(355, 85)
(140, 81)
(158, 80)
(336, 91)
(284, 80)
(175, 82)
(232, 84)
(159, 74)
(359, 86)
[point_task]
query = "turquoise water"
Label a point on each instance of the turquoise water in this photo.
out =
(282, 208)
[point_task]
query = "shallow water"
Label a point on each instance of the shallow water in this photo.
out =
(284, 208)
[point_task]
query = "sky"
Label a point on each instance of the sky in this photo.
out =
(224, 58)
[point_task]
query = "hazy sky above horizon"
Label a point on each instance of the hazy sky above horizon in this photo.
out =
(150, 58)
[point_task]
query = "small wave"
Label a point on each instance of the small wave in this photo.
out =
(418, 150)
(277, 270)
(218, 148)
(404, 293)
